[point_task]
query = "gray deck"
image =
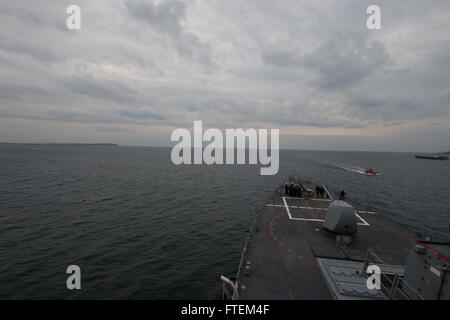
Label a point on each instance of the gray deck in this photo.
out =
(284, 245)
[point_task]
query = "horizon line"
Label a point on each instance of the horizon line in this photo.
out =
(156, 146)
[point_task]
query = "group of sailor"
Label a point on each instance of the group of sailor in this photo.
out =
(320, 190)
(293, 189)
(296, 190)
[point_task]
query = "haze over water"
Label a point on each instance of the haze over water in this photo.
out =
(142, 228)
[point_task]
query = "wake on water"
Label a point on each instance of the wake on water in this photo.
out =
(355, 169)
(348, 168)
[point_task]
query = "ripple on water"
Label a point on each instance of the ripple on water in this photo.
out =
(142, 228)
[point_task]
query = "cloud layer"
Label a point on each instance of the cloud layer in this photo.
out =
(139, 68)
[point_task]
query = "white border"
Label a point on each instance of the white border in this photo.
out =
(362, 223)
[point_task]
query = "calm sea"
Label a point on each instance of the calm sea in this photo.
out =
(142, 228)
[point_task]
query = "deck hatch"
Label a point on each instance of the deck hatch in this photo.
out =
(344, 279)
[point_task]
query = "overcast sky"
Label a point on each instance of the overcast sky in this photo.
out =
(139, 69)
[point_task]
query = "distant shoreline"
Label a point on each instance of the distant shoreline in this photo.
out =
(117, 145)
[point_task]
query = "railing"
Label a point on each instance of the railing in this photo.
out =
(328, 193)
(391, 285)
(244, 251)
(372, 258)
(398, 292)
(234, 293)
(226, 293)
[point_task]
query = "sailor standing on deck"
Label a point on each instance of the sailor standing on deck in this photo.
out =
(286, 188)
(317, 191)
(297, 190)
(342, 195)
(322, 191)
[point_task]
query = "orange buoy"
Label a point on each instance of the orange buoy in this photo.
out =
(369, 171)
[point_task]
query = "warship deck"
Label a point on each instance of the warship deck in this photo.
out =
(288, 237)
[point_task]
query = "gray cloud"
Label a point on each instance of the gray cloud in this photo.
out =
(115, 91)
(290, 64)
(166, 17)
(344, 61)
(13, 46)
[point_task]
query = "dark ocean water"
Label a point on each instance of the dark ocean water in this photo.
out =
(142, 228)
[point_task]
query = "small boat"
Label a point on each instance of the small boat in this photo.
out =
(369, 171)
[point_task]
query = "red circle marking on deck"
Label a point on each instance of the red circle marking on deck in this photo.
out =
(284, 246)
(437, 254)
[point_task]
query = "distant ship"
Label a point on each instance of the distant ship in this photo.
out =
(432, 156)
(310, 246)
